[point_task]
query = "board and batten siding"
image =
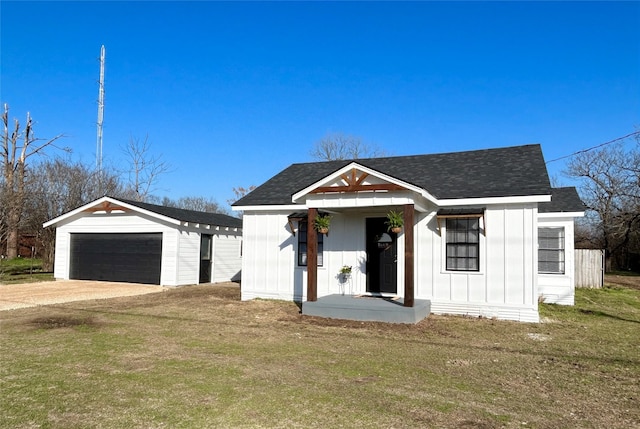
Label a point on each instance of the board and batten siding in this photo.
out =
(268, 256)
(505, 285)
(115, 223)
(227, 258)
(187, 257)
(344, 245)
(270, 261)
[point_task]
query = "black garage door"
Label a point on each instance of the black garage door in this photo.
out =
(133, 258)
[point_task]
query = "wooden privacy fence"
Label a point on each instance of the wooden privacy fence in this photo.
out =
(589, 268)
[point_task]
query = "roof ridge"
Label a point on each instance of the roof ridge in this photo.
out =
(348, 160)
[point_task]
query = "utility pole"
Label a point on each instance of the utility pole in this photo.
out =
(100, 117)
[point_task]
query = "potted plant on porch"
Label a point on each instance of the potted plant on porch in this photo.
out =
(395, 221)
(322, 223)
(344, 278)
(345, 271)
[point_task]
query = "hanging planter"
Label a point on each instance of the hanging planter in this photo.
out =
(321, 223)
(395, 221)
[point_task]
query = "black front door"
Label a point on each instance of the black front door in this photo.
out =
(382, 255)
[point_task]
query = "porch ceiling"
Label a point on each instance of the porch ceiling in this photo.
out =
(368, 211)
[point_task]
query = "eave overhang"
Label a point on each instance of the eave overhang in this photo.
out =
(109, 205)
(269, 207)
(560, 214)
(451, 202)
(523, 199)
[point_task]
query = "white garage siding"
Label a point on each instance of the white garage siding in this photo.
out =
(116, 223)
(188, 261)
(227, 258)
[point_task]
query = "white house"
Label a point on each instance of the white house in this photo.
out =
(128, 241)
(484, 234)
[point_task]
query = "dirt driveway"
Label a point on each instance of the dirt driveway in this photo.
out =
(56, 292)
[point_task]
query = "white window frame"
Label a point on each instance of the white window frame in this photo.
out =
(561, 251)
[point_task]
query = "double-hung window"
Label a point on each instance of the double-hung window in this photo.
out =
(463, 244)
(302, 244)
(551, 250)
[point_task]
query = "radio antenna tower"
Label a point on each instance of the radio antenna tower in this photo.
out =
(100, 115)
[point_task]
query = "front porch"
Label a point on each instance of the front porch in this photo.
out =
(367, 308)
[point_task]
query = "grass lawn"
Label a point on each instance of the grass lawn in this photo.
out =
(22, 270)
(197, 357)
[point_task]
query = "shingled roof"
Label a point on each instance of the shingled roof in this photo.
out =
(501, 172)
(563, 200)
(191, 216)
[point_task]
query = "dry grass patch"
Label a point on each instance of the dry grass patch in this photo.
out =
(198, 357)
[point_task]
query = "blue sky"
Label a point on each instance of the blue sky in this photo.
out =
(232, 93)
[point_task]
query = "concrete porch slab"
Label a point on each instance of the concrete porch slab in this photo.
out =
(367, 308)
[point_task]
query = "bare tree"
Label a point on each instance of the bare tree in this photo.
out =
(610, 187)
(340, 146)
(4, 213)
(240, 192)
(201, 204)
(144, 168)
(59, 186)
(18, 146)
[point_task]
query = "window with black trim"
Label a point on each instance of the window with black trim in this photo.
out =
(551, 250)
(302, 245)
(463, 244)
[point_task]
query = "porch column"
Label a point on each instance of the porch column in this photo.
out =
(312, 256)
(409, 274)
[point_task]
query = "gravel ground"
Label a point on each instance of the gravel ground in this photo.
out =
(56, 292)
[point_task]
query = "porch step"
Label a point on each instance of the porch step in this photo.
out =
(365, 308)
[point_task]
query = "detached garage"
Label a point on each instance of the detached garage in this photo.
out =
(127, 241)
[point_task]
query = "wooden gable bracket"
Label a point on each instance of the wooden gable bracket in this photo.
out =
(295, 217)
(353, 183)
(106, 206)
(291, 228)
